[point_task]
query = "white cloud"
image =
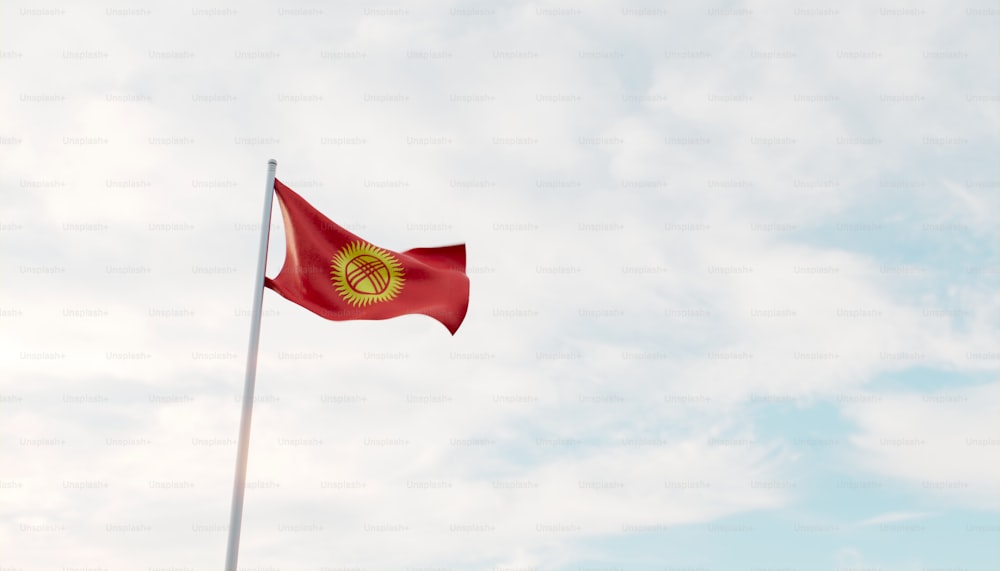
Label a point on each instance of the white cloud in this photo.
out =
(940, 443)
(893, 517)
(641, 266)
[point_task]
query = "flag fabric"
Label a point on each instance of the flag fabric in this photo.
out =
(341, 277)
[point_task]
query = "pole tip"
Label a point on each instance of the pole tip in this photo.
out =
(272, 162)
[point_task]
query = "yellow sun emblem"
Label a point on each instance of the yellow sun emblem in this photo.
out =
(365, 274)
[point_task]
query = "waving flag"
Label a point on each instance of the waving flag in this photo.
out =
(341, 277)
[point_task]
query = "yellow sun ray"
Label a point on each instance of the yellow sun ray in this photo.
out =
(364, 274)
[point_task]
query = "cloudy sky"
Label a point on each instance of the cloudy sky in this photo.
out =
(734, 275)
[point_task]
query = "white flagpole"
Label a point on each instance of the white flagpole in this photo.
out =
(243, 447)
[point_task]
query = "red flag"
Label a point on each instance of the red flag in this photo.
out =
(340, 276)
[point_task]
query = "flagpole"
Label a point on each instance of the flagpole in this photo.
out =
(243, 447)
